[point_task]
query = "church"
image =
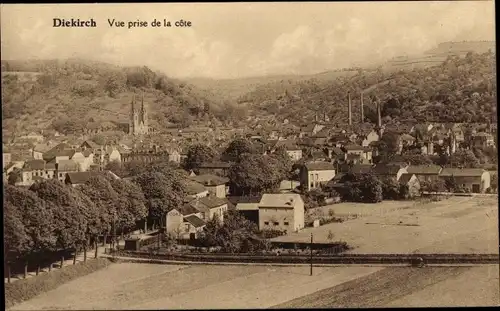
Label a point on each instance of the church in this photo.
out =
(138, 118)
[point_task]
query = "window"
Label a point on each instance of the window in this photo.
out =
(47, 172)
(276, 223)
(286, 223)
(266, 223)
(60, 174)
(317, 178)
(186, 227)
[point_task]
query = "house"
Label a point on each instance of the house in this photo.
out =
(293, 151)
(216, 185)
(39, 149)
(412, 183)
(185, 222)
(482, 140)
(66, 166)
(389, 170)
(372, 136)
(364, 154)
(209, 207)
(425, 173)
(82, 161)
(313, 174)
(281, 212)
(40, 168)
(477, 180)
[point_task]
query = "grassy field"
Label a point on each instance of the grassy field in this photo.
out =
(454, 225)
(148, 286)
(406, 287)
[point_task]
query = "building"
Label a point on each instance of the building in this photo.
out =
(313, 174)
(412, 183)
(482, 140)
(138, 118)
(65, 166)
(389, 170)
(247, 206)
(283, 212)
(425, 173)
(195, 190)
(209, 207)
(476, 180)
(185, 223)
(216, 185)
(364, 154)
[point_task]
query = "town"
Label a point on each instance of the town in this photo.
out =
(282, 167)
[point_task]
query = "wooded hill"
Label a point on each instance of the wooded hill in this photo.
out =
(461, 89)
(35, 93)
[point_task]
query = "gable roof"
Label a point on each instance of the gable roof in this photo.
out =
(319, 166)
(215, 165)
(34, 164)
(462, 172)
(244, 199)
(424, 169)
(193, 187)
(188, 209)
(212, 202)
(76, 178)
(195, 221)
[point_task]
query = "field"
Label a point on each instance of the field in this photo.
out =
(147, 286)
(454, 225)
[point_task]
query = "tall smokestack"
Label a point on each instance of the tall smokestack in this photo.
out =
(362, 109)
(349, 107)
(379, 114)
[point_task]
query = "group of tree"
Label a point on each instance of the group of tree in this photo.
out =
(235, 234)
(51, 216)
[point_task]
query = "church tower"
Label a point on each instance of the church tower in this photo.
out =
(138, 118)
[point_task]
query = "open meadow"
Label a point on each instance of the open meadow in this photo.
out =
(147, 286)
(453, 225)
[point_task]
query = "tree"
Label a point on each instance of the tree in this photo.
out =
(390, 189)
(237, 148)
(235, 235)
(435, 185)
(254, 173)
(162, 193)
(99, 190)
(131, 207)
(198, 154)
(14, 176)
(117, 168)
(17, 243)
(464, 159)
(360, 188)
(68, 210)
(284, 161)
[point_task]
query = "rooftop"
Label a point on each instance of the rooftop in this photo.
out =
(319, 166)
(424, 169)
(283, 200)
(462, 172)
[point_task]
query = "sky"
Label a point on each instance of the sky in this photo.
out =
(235, 40)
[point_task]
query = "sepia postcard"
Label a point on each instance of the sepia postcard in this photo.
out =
(250, 155)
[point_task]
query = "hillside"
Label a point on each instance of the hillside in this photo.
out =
(231, 89)
(438, 55)
(37, 93)
(461, 89)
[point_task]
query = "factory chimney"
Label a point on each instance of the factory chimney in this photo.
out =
(362, 109)
(379, 114)
(349, 107)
